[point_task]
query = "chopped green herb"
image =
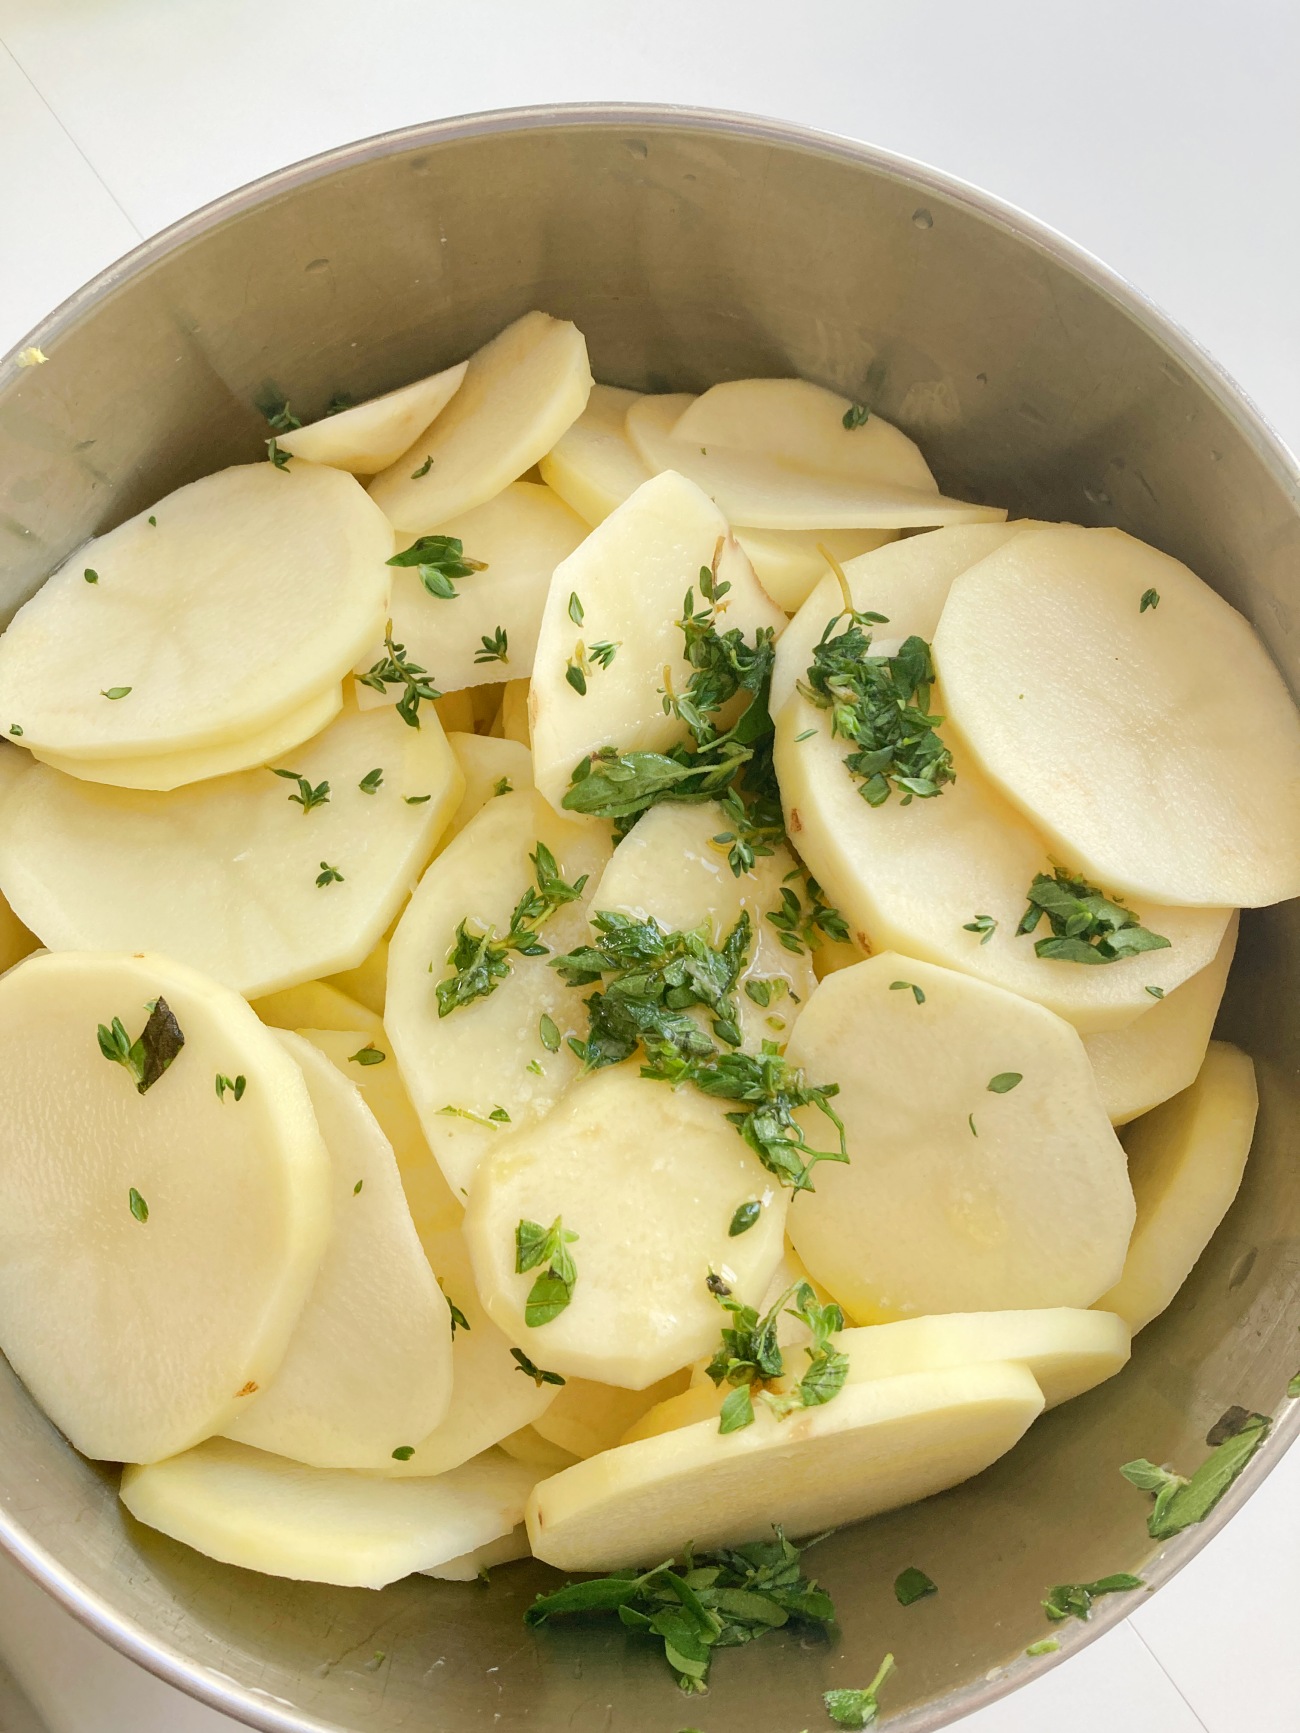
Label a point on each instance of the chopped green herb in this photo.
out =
(984, 925)
(468, 1113)
(1087, 926)
(1047, 1646)
(139, 1208)
(153, 521)
(552, 1291)
(236, 1086)
(746, 1214)
(437, 561)
(549, 1033)
(328, 875)
(499, 1116)
(116, 692)
(574, 674)
(749, 1357)
(1004, 1082)
(912, 988)
(356, 1189)
(800, 929)
(538, 1376)
(858, 1708)
(416, 799)
(91, 576)
(496, 648)
(1074, 1600)
(278, 457)
(756, 829)
(1150, 599)
(371, 782)
(404, 1453)
(970, 1120)
(535, 1067)
(147, 1057)
(913, 1585)
(14, 729)
(280, 417)
(807, 734)
(502, 785)
(765, 990)
(1180, 1503)
(584, 660)
(1228, 1425)
(307, 796)
(856, 415)
(603, 653)
(576, 612)
(425, 467)
(458, 1319)
(340, 401)
(395, 669)
(480, 961)
(1155, 992)
(367, 1055)
(1293, 1388)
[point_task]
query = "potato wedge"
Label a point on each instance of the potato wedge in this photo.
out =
(593, 466)
(586, 1418)
(486, 764)
(789, 564)
(371, 435)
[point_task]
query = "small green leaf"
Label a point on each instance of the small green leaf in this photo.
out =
(1074, 1600)
(367, 1055)
(807, 734)
(1293, 1388)
(371, 782)
(14, 729)
(744, 1218)
(502, 785)
(548, 1031)
(984, 925)
(356, 1189)
(1046, 1646)
(416, 799)
(146, 1058)
(116, 692)
(737, 1410)
(1155, 992)
(576, 613)
(913, 1585)
(858, 1708)
(91, 576)
(153, 522)
(908, 986)
(536, 1373)
(1004, 1082)
(577, 679)
(139, 1208)
(425, 467)
(234, 1085)
(404, 1453)
(856, 415)
(970, 1120)
(496, 648)
(279, 458)
(458, 1319)
(328, 875)
(1150, 599)
(1180, 1503)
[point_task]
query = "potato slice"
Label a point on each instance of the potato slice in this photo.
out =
(462, 1067)
(231, 603)
(486, 764)
(227, 875)
(983, 1175)
(789, 564)
(324, 1525)
(471, 1565)
(543, 1457)
(371, 435)
(318, 1005)
(366, 984)
(911, 878)
(763, 492)
(630, 577)
(1146, 1062)
(521, 391)
(1137, 754)
(514, 713)
(15, 940)
(156, 1249)
(874, 1447)
(1185, 1160)
(368, 1369)
(702, 1400)
(594, 467)
(586, 1418)
(650, 1228)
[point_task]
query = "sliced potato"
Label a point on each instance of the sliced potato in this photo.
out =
(1138, 753)
(366, 984)
(983, 1174)
(227, 875)
(1146, 1062)
(455, 710)
(514, 713)
(543, 1457)
(911, 878)
(231, 603)
(15, 940)
(521, 391)
(701, 1400)
(649, 1179)
(318, 1005)
(371, 435)
(486, 763)
(586, 1418)
(874, 1447)
(156, 1249)
(630, 577)
(324, 1525)
(593, 466)
(1185, 1160)
(790, 564)
(483, 1559)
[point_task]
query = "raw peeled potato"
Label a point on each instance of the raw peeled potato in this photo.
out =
(593, 466)
(630, 577)
(1144, 1063)
(1135, 745)
(699, 1401)
(318, 1005)
(476, 1058)
(485, 762)
(543, 1457)
(371, 435)
(156, 1250)
(367, 983)
(472, 1565)
(231, 603)
(789, 564)
(586, 1418)
(514, 713)
(875, 1447)
(15, 940)
(958, 1196)
(649, 1178)
(368, 1369)
(1185, 1160)
(224, 874)
(520, 392)
(324, 1525)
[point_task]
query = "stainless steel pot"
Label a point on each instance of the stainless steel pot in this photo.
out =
(689, 247)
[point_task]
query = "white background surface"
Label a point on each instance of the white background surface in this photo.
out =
(1164, 135)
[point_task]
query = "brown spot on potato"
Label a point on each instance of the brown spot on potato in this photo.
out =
(250, 1389)
(865, 942)
(796, 823)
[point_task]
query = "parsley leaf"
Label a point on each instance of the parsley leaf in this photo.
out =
(149, 1055)
(395, 669)
(480, 961)
(1179, 1503)
(858, 1708)
(548, 1031)
(307, 796)
(437, 561)
(367, 1055)
(496, 648)
(913, 1585)
(538, 1376)
(1074, 1600)
(404, 1453)
(553, 1289)
(91, 575)
(1087, 926)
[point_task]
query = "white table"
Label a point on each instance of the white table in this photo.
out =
(1162, 134)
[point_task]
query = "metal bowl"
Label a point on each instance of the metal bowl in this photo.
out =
(689, 247)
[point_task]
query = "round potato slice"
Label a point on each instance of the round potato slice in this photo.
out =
(491, 768)
(626, 584)
(238, 877)
(649, 1179)
(983, 1173)
(324, 1525)
(231, 603)
(493, 1054)
(521, 391)
(918, 878)
(874, 1447)
(1138, 753)
(370, 436)
(702, 1400)
(586, 1418)
(1185, 1161)
(368, 1369)
(156, 1247)
(789, 564)
(593, 466)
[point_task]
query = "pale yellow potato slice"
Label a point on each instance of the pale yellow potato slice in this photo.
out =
(462, 1067)
(514, 713)
(790, 564)
(630, 578)
(521, 391)
(649, 1179)
(593, 466)
(227, 605)
(368, 1368)
(958, 1196)
(367, 983)
(486, 763)
(702, 1400)
(471, 1565)
(1185, 1160)
(543, 1457)
(455, 709)
(156, 1250)
(224, 874)
(1137, 754)
(318, 1005)
(371, 435)
(874, 1447)
(15, 940)
(264, 1513)
(586, 1418)
(763, 492)
(1146, 1062)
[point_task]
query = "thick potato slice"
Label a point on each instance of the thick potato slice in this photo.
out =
(1146, 1062)
(486, 763)
(472, 1565)
(521, 391)
(1138, 753)
(366, 984)
(461, 1067)
(225, 874)
(874, 1447)
(1185, 1161)
(368, 1369)
(543, 1457)
(318, 1005)
(649, 1179)
(514, 713)
(593, 466)
(701, 1400)
(230, 603)
(324, 1525)
(521, 535)
(156, 1249)
(959, 1196)
(371, 435)
(789, 564)
(764, 492)
(630, 577)
(586, 1418)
